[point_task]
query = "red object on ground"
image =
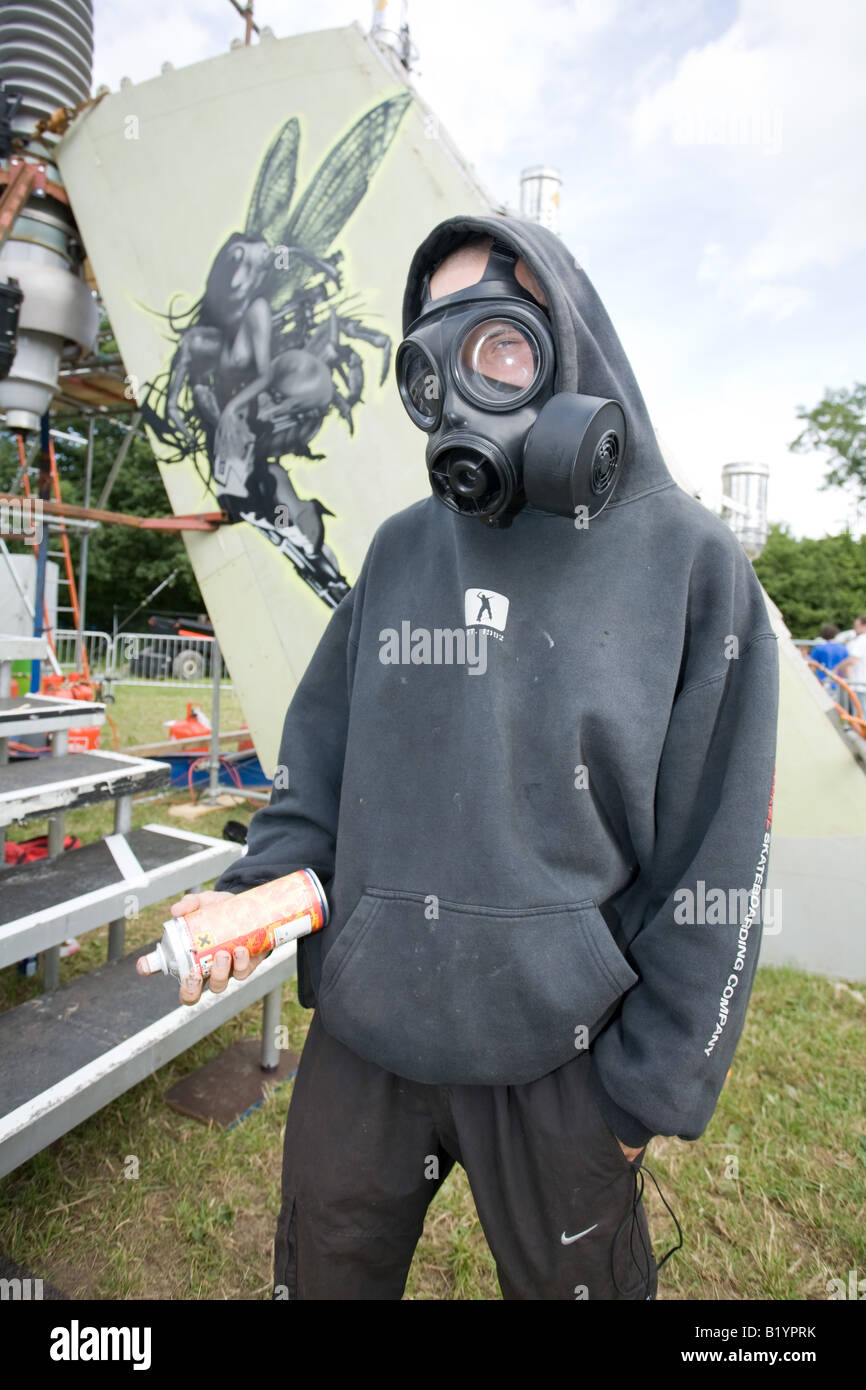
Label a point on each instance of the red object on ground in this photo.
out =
(192, 725)
(72, 685)
(22, 851)
(69, 685)
(82, 739)
(189, 727)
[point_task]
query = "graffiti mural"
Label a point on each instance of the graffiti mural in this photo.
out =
(271, 347)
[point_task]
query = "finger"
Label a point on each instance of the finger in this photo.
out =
(219, 975)
(186, 904)
(243, 963)
(190, 902)
(190, 989)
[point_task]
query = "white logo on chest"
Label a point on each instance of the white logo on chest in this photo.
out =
(486, 609)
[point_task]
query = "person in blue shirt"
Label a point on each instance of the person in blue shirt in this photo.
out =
(829, 653)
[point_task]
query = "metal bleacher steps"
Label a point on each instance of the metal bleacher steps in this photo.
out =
(39, 714)
(70, 1051)
(22, 716)
(44, 902)
(37, 786)
(50, 786)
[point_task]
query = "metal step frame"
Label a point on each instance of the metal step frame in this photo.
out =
(31, 787)
(90, 1027)
(61, 913)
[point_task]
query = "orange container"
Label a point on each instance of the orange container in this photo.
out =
(84, 738)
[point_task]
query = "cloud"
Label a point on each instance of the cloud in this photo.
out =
(591, 16)
(134, 40)
(771, 112)
(737, 285)
(713, 180)
(778, 301)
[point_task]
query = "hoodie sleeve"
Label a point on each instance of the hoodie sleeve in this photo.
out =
(297, 828)
(659, 1067)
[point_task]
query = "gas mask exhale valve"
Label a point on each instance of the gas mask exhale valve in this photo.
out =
(475, 372)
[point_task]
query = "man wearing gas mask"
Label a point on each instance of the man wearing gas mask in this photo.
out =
(476, 372)
(519, 973)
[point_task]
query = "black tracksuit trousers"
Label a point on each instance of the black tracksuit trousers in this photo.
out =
(366, 1151)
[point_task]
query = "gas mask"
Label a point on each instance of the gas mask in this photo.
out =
(475, 372)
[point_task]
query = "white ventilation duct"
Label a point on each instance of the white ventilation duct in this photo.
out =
(744, 504)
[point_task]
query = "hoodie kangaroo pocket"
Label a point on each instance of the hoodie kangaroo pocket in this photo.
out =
(452, 993)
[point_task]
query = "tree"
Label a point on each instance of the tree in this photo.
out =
(838, 424)
(814, 582)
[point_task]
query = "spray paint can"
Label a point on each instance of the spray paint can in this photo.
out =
(260, 918)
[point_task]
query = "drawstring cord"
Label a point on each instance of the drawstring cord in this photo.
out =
(647, 1254)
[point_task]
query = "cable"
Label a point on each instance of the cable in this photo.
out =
(232, 771)
(643, 1283)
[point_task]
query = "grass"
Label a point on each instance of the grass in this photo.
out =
(772, 1198)
(140, 712)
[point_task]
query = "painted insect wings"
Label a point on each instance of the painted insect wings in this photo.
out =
(275, 186)
(335, 191)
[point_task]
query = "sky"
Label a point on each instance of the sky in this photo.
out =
(714, 186)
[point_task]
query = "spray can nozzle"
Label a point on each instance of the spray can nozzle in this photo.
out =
(154, 963)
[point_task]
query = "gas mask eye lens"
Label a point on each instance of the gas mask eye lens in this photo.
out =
(499, 361)
(419, 385)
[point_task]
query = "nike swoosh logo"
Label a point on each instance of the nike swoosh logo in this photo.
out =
(567, 1240)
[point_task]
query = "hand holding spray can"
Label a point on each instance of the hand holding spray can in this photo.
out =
(260, 918)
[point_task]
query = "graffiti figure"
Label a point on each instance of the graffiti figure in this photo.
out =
(267, 352)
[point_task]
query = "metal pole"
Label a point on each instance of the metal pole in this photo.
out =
(5, 689)
(56, 826)
(246, 13)
(270, 1056)
(42, 557)
(121, 455)
(82, 557)
(214, 758)
(117, 928)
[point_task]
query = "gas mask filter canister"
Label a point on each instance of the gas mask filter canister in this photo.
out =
(475, 372)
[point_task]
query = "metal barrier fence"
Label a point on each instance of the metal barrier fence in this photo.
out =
(97, 645)
(143, 658)
(150, 656)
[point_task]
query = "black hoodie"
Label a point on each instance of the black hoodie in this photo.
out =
(533, 767)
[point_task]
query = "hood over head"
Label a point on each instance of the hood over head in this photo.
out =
(589, 356)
